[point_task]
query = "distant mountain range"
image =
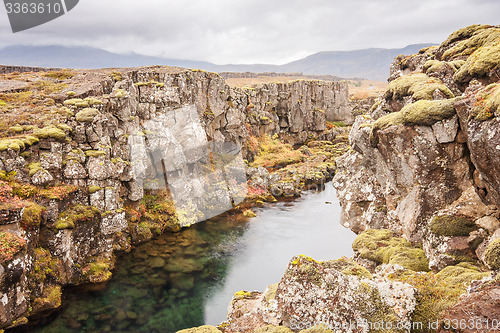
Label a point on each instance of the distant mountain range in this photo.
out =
(370, 64)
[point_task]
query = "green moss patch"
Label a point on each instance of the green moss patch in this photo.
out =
(438, 292)
(77, 213)
(82, 103)
(480, 63)
(34, 168)
(149, 84)
(32, 216)
(14, 144)
(95, 153)
(383, 247)
(87, 115)
(426, 113)
(452, 225)
(93, 189)
(392, 119)
(10, 245)
(348, 267)
(418, 86)
(45, 266)
(421, 113)
(463, 33)
(459, 277)
(156, 212)
(50, 299)
(50, 132)
(63, 74)
(432, 66)
(466, 47)
(492, 254)
(98, 270)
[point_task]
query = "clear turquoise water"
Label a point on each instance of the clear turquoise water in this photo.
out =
(187, 279)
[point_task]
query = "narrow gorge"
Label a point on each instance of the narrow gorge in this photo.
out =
(94, 162)
(73, 197)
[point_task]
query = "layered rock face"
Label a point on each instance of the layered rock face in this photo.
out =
(76, 188)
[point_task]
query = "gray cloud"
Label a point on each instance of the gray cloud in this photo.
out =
(265, 31)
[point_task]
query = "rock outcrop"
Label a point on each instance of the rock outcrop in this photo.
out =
(423, 161)
(339, 295)
(427, 149)
(78, 185)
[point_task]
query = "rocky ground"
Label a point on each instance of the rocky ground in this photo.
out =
(420, 188)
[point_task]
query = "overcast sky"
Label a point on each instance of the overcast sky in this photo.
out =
(253, 31)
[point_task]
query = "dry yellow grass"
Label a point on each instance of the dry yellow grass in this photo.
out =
(361, 89)
(366, 88)
(256, 81)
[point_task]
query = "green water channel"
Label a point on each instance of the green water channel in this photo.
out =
(187, 279)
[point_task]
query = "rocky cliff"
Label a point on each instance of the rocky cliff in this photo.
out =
(424, 159)
(72, 194)
(420, 186)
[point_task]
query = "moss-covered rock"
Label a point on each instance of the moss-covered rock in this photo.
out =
(463, 33)
(420, 113)
(98, 270)
(452, 225)
(273, 329)
(200, 329)
(14, 144)
(383, 247)
(438, 292)
(45, 266)
(271, 153)
(87, 115)
(306, 291)
(50, 132)
(93, 189)
(82, 103)
(75, 214)
(432, 66)
(32, 216)
(426, 113)
(348, 267)
(95, 153)
(480, 63)
(418, 86)
(249, 213)
(50, 299)
(472, 41)
(492, 254)
(459, 277)
(34, 168)
(487, 103)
